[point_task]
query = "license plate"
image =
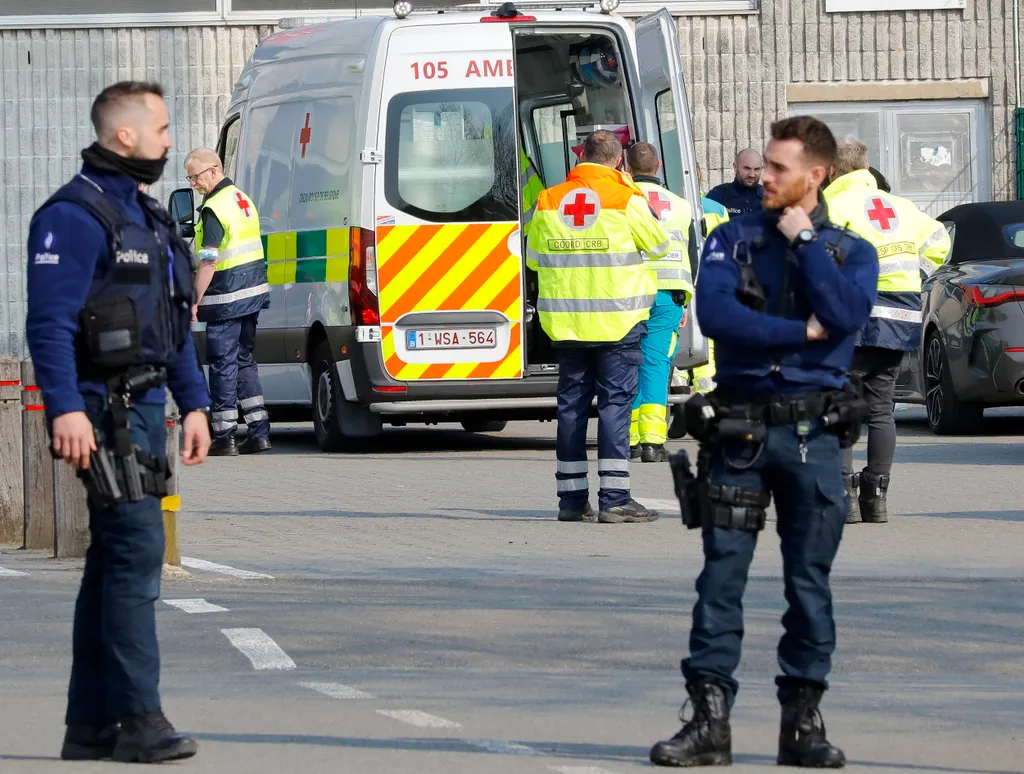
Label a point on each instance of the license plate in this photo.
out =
(452, 338)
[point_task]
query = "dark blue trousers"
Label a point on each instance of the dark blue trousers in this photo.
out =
(235, 378)
(611, 371)
(810, 502)
(115, 668)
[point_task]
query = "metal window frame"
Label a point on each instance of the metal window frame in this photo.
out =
(225, 15)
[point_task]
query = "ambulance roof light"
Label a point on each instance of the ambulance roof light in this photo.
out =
(607, 6)
(402, 8)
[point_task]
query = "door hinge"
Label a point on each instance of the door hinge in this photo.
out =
(371, 156)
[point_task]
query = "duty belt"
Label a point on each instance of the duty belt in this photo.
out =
(779, 409)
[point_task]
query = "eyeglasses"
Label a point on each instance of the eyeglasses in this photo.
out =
(196, 176)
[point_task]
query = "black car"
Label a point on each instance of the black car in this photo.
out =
(972, 338)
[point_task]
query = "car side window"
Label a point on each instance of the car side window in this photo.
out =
(951, 230)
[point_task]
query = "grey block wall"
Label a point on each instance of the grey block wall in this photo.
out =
(48, 79)
(738, 67)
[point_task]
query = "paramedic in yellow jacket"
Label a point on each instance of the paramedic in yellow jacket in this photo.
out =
(910, 244)
(595, 295)
(649, 427)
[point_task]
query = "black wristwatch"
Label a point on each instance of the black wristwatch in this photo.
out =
(805, 237)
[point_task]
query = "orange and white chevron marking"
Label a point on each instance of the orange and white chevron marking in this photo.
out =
(450, 267)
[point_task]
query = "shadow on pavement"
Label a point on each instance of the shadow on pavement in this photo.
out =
(295, 440)
(600, 752)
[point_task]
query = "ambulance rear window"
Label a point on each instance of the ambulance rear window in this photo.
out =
(451, 156)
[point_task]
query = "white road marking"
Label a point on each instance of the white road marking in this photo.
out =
(579, 769)
(419, 719)
(338, 691)
(662, 506)
(502, 746)
(223, 569)
(256, 645)
(195, 606)
(5, 573)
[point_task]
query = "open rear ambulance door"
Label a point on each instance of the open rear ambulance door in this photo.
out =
(665, 120)
(447, 203)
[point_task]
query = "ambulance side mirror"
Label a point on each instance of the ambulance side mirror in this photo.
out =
(181, 207)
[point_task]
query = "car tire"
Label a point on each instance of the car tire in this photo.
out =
(337, 421)
(946, 414)
(480, 426)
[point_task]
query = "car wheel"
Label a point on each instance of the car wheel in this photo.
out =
(326, 398)
(480, 426)
(946, 414)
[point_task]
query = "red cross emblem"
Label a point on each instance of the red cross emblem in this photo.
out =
(881, 214)
(579, 209)
(661, 206)
(305, 135)
(243, 203)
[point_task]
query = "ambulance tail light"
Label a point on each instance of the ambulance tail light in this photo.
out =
(362, 277)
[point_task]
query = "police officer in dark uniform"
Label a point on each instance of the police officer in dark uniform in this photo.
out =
(783, 293)
(109, 310)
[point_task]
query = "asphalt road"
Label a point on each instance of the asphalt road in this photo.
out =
(416, 608)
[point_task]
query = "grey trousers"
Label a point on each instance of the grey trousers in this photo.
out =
(878, 368)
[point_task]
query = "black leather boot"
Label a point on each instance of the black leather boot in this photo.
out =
(653, 452)
(150, 738)
(89, 743)
(802, 739)
(706, 738)
(873, 509)
(634, 452)
(224, 447)
(569, 514)
(852, 502)
(252, 446)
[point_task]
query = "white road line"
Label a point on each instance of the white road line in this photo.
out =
(338, 691)
(256, 645)
(502, 746)
(579, 769)
(664, 506)
(419, 719)
(195, 606)
(223, 569)
(5, 573)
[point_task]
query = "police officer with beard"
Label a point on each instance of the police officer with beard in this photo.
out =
(109, 309)
(783, 293)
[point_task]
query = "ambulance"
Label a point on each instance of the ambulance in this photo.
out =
(384, 157)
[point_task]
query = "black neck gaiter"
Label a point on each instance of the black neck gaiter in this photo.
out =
(146, 171)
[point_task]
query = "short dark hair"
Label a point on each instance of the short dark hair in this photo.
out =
(818, 140)
(115, 96)
(602, 147)
(643, 158)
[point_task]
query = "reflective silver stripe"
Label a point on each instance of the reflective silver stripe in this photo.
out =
(246, 247)
(614, 482)
(529, 213)
(572, 485)
(597, 305)
(229, 414)
(927, 266)
(571, 467)
(898, 265)
(706, 383)
(662, 248)
(256, 416)
(936, 236)
(247, 403)
(894, 313)
(238, 295)
(587, 260)
(612, 466)
(674, 274)
(223, 425)
(677, 235)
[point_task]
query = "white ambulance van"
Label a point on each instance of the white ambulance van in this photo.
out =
(384, 157)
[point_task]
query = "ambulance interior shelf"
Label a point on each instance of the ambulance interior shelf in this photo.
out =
(567, 85)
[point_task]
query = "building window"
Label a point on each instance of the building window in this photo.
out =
(934, 153)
